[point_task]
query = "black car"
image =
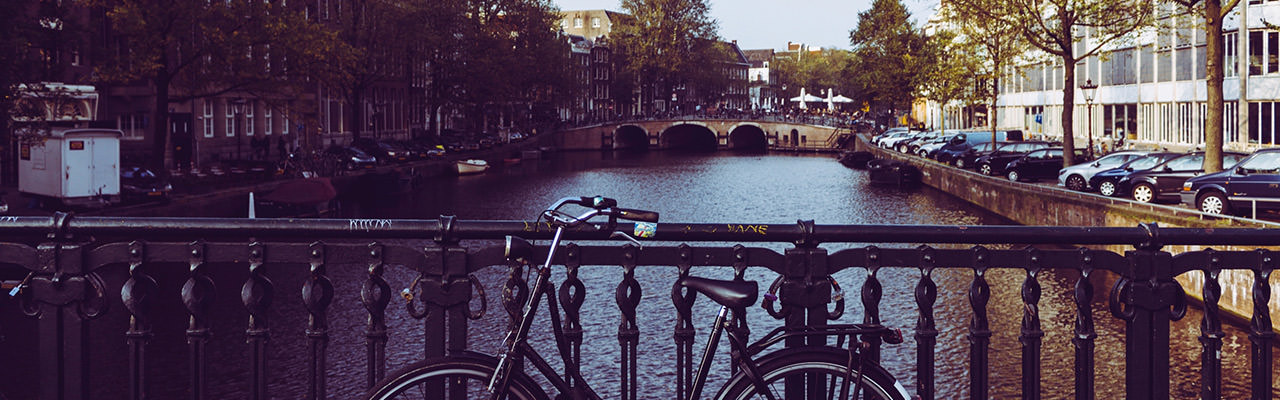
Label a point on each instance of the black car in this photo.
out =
(384, 152)
(1252, 184)
(1106, 180)
(966, 157)
(1038, 164)
(993, 163)
(138, 184)
(1164, 181)
(350, 158)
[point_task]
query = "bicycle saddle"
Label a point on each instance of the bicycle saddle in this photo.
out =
(732, 294)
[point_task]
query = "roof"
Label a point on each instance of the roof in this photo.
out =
(757, 58)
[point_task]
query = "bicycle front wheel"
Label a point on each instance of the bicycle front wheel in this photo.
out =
(450, 378)
(813, 374)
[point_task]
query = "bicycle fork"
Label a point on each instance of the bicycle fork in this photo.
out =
(500, 380)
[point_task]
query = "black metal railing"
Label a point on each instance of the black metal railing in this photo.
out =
(60, 269)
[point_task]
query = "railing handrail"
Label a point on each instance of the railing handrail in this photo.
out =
(448, 227)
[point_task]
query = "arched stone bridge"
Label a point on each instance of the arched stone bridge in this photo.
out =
(702, 134)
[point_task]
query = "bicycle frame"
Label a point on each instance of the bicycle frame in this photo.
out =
(575, 387)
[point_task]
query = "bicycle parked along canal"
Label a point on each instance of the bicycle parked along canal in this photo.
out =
(804, 372)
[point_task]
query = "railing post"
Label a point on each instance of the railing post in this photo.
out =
(62, 290)
(1153, 300)
(805, 292)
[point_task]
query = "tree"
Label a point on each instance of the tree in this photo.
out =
(524, 57)
(951, 71)
(1213, 12)
(997, 43)
(827, 69)
(667, 42)
(888, 50)
(188, 49)
(34, 36)
(1053, 27)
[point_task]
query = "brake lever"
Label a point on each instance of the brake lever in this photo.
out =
(617, 234)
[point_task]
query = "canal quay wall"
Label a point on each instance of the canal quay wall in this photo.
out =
(1049, 205)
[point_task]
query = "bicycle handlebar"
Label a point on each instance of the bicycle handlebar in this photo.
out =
(599, 206)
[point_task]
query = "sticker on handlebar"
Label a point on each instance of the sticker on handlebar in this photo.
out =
(645, 229)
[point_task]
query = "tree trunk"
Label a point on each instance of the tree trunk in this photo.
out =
(1213, 83)
(1068, 96)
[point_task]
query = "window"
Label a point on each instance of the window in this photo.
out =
(248, 119)
(266, 122)
(231, 118)
(1262, 122)
(1148, 63)
(284, 126)
(207, 119)
(1256, 53)
(1229, 51)
(1185, 66)
(595, 22)
(1164, 66)
(564, 24)
(577, 22)
(133, 126)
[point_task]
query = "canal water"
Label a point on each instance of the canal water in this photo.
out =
(703, 188)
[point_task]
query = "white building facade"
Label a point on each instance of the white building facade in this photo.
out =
(1151, 88)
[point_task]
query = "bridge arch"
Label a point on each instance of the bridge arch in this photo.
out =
(689, 136)
(631, 137)
(748, 136)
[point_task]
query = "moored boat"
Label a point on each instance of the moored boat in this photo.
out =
(472, 166)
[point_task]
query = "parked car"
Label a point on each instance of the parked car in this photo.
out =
(1038, 164)
(966, 141)
(139, 184)
(1105, 181)
(893, 142)
(891, 132)
(1076, 177)
(1250, 185)
(1164, 181)
(993, 163)
(930, 149)
(910, 146)
(383, 152)
(351, 158)
(967, 158)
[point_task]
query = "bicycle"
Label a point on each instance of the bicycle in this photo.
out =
(809, 372)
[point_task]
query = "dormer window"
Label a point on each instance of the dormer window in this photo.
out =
(595, 22)
(577, 22)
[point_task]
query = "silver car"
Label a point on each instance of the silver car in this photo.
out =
(1076, 177)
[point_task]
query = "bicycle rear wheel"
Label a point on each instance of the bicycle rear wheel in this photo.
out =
(449, 378)
(813, 374)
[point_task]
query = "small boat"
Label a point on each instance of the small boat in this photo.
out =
(856, 159)
(893, 172)
(472, 166)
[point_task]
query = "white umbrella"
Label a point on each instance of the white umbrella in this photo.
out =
(841, 99)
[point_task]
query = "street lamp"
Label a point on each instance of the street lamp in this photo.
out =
(237, 108)
(1089, 89)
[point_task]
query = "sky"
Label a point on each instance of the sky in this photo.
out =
(770, 24)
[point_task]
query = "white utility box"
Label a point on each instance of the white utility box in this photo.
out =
(75, 167)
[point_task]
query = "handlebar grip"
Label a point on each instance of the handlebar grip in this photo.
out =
(597, 202)
(636, 215)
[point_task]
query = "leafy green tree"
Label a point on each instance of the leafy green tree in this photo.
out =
(668, 42)
(951, 71)
(188, 49)
(889, 55)
(996, 44)
(1213, 12)
(826, 69)
(1052, 27)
